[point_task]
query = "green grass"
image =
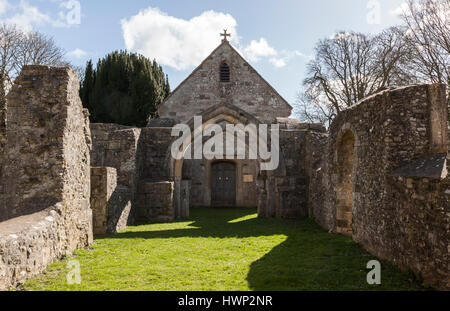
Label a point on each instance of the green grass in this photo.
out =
(223, 249)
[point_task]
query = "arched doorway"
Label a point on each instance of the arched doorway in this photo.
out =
(345, 188)
(223, 184)
(250, 189)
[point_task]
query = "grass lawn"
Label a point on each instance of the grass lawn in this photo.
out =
(223, 249)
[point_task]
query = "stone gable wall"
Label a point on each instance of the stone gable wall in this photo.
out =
(203, 89)
(47, 174)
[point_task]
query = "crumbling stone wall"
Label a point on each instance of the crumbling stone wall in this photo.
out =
(154, 158)
(316, 171)
(156, 201)
(110, 203)
(422, 226)
(392, 130)
(116, 146)
(47, 174)
(103, 183)
(291, 182)
(2, 149)
(47, 139)
(155, 154)
(139, 156)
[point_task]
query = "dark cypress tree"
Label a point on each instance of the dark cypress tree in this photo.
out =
(167, 86)
(126, 89)
(88, 85)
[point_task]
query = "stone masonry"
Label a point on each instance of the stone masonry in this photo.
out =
(46, 176)
(379, 174)
(156, 201)
(110, 202)
(383, 179)
(354, 179)
(246, 89)
(103, 184)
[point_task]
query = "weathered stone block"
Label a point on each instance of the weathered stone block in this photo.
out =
(110, 203)
(156, 201)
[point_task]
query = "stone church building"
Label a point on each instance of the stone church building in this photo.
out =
(223, 89)
(378, 174)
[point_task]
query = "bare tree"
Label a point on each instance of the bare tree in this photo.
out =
(349, 67)
(428, 38)
(18, 48)
(10, 40)
(38, 49)
(80, 70)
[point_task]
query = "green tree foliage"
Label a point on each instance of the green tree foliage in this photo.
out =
(125, 88)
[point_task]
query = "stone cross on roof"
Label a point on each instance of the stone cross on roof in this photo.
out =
(225, 35)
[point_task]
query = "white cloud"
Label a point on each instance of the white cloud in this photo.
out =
(341, 35)
(28, 17)
(77, 53)
(286, 56)
(278, 62)
(176, 42)
(257, 49)
(182, 44)
(4, 6)
(400, 10)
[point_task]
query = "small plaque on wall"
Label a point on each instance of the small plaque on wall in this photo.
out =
(248, 178)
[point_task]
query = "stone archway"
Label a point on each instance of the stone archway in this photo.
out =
(216, 115)
(345, 187)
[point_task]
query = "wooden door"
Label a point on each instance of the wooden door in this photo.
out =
(223, 184)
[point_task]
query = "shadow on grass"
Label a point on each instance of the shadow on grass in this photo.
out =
(309, 259)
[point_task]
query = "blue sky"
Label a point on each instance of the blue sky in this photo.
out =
(277, 37)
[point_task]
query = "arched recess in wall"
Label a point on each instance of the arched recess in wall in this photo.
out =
(215, 115)
(346, 167)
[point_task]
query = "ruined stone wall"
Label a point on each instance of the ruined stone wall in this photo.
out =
(116, 146)
(47, 174)
(290, 181)
(422, 225)
(2, 149)
(156, 202)
(154, 152)
(390, 130)
(110, 203)
(103, 184)
(316, 170)
(139, 156)
(246, 90)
